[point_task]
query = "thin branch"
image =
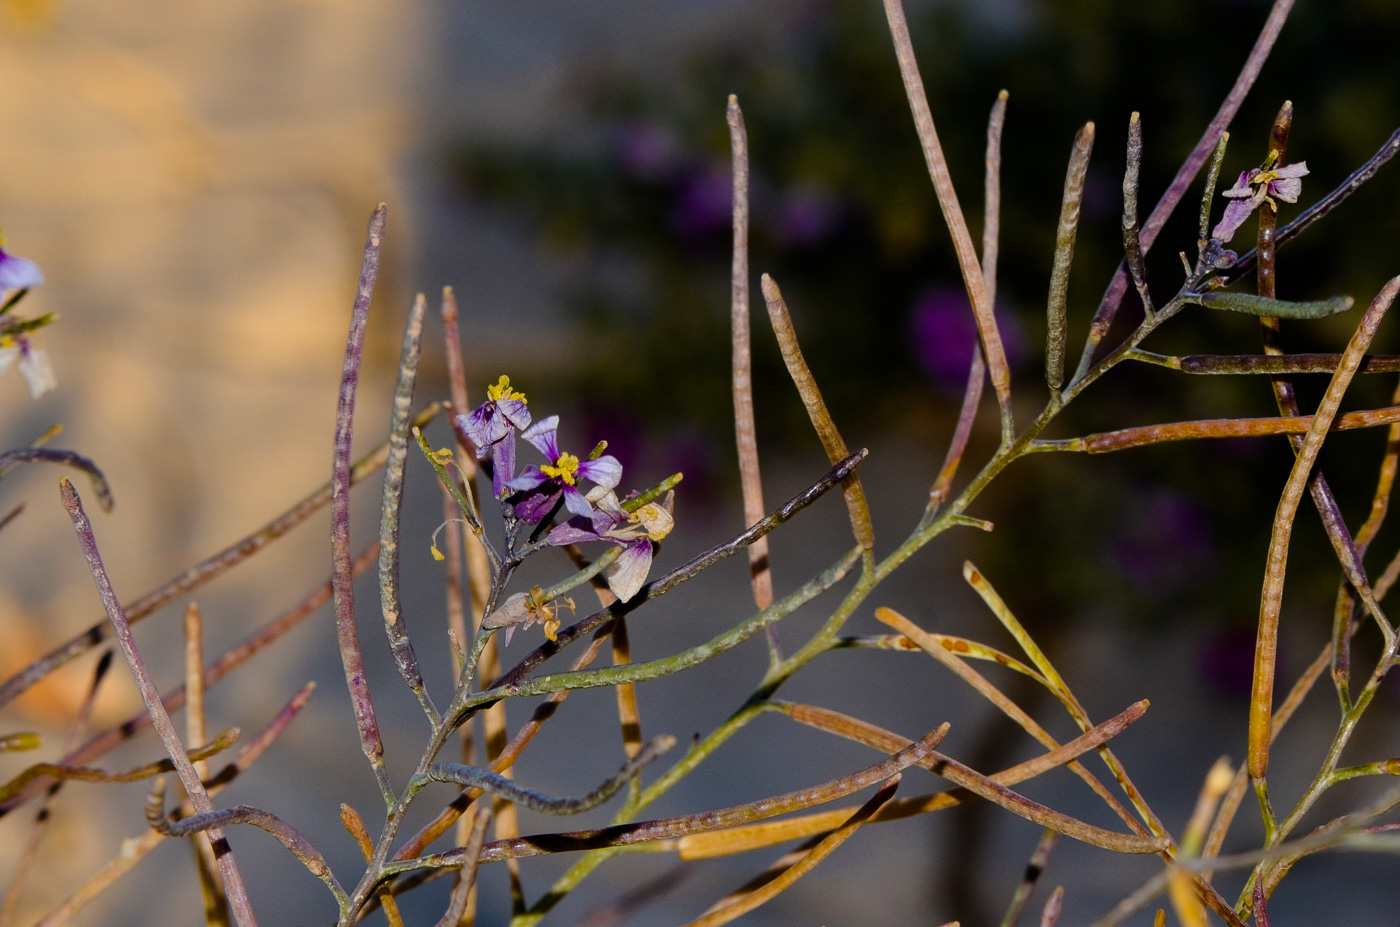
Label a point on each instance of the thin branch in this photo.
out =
(1039, 860)
(771, 888)
(692, 568)
(806, 384)
(347, 634)
(1125, 438)
(745, 432)
(199, 574)
(476, 778)
(620, 835)
(160, 720)
(1057, 319)
(68, 458)
(399, 644)
(1132, 238)
(756, 836)
(227, 663)
(1271, 596)
(1271, 364)
(973, 279)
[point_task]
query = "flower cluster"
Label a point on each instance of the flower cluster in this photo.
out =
(18, 275)
(1261, 185)
(539, 493)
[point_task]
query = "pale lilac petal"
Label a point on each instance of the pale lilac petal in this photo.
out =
(484, 426)
(38, 373)
(543, 436)
(1287, 190)
(627, 574)
(1292, 171)
(16, 273)
(530, 478)
(7, 357)
(1242, 187)
(1234, 217)
(515, 411)
(605, 471)
(574, 502)
(571, 532)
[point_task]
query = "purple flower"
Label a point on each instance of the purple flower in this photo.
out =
(703, 204)
(16, 273)
(647, 152)
(943, 332)
(634, 531)
(561, 475)
(491, 428)
(1260, 185)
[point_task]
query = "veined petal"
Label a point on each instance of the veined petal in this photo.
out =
(502, 465)
(543, 435)
(574, 502)
(515, 411)
(529, 478)
(485, 426)
(534, 508)
(1242, 187)
(605, 470)
(629, 571)
(571, 532)
(17, 273)
(1235, 214)
(1287, 189)
(1292, 171)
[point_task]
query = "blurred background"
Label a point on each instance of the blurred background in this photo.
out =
(195, 179)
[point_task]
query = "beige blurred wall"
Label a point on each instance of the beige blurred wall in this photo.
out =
(194, 177)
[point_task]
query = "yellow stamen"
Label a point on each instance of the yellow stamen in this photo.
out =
(565, 468)
(501, 390)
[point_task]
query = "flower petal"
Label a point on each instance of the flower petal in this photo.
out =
(1291, 171)
(543, 436)
(534, 508)
(1234, 217)
(516, 411)
(1241, 187)
(38, 373)
(7, 357)
(1287, 189)
(629, 571)
(605, 470)
(573, 531)
(574, 502)
(529, 478)
(485, 426)
(502, 465)
(16, 273)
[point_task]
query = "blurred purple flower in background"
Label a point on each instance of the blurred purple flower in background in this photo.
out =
(1164, 542)
(703, 203)
(806, 217)
(17, 273)
(941, 335)
(646, 152)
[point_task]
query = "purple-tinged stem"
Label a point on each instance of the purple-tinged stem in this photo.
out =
(342, 583)
(745, 431)
(160, 720)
